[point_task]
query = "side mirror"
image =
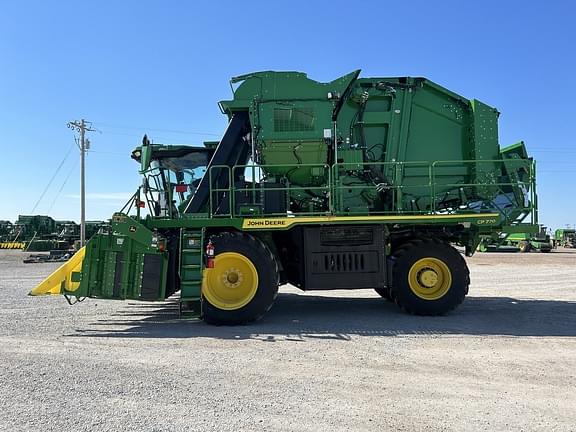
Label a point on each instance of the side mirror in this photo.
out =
(146, 155)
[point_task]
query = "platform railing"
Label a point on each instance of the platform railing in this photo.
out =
(225, 203)
(403, 188)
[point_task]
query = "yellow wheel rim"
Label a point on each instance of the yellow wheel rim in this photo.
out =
(232, 283)
(429, 278)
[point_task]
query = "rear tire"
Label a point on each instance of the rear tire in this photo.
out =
(429, 277)
(243, 284)
(524, 247)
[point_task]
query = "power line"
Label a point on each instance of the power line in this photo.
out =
(142, 128)
(561, 151)
(544, 161)
(62, 187)
(52, 179)
(156, 138)
(122, 134)
(558, 171)
(107, 152)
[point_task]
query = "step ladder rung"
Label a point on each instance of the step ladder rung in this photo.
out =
(191, 284)
(191, 266)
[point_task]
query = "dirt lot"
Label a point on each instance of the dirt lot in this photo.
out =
(505, 360)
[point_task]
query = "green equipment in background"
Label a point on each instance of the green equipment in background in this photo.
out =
(565, 237)
(527, 242)
(39, 233)
(535, 240)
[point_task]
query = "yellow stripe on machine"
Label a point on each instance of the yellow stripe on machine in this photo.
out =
(286, 222)
(61, 278)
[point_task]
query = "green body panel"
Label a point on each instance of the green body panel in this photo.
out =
(524, 229)
(432, 148)
(482, 223)
(518, 237)
(289, 113)
(124, 263)
(279, 154)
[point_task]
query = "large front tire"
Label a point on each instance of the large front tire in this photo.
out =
(429, 277)
(243, 284)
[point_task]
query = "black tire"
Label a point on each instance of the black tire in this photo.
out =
(384, 293)
(524, 247)
(267, 289)
(408, 256)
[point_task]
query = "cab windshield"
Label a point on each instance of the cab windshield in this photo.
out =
(171, 181)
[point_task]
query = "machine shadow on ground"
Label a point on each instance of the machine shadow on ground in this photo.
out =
(304, 317)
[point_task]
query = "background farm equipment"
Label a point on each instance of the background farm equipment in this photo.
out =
(538, 240)
(565, 237)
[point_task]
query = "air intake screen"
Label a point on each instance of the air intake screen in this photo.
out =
(293, 119)
(342, 262)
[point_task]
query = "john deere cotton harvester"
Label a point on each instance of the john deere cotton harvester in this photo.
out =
(352, 184)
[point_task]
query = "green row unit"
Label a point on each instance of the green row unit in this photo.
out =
(124, 263)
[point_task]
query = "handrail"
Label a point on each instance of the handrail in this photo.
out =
(444, 193)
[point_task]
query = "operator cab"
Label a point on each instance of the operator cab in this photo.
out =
(171, 175)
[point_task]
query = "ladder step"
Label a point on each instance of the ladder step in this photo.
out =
(192, 236)
(191, 266)
(191, 308)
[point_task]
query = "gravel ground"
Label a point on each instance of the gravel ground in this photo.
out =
(342, 361)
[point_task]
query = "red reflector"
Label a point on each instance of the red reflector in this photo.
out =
(210, 249)
(210, 263)
(181, 188)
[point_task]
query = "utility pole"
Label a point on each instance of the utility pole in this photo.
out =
(82, 127)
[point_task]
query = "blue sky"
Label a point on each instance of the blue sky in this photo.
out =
(160, 67)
